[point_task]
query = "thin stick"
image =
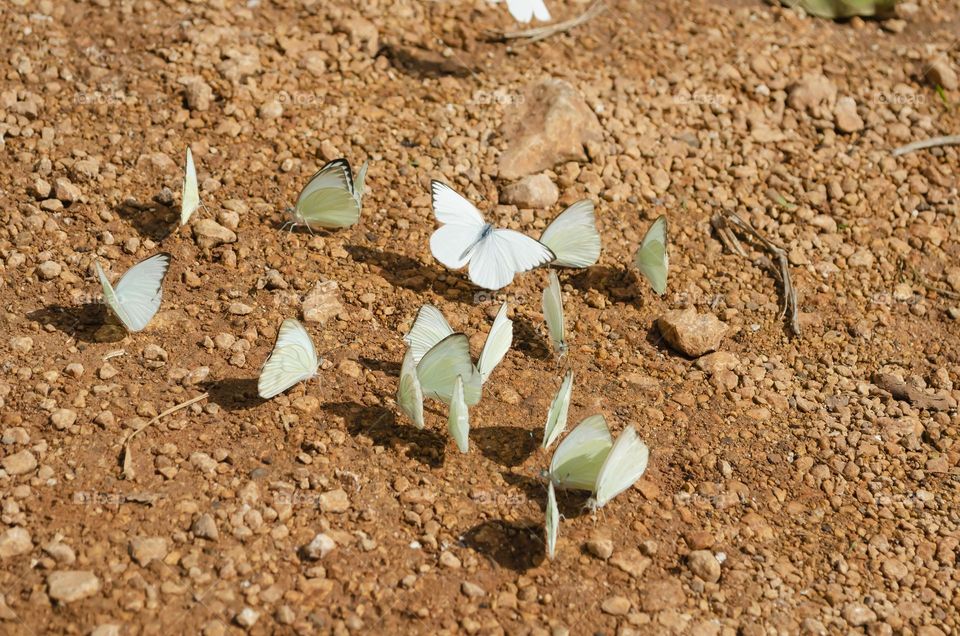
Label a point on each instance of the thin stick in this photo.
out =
(529, 36)
(919, 276)
(934, 142)
(725, 223)
(129, 438)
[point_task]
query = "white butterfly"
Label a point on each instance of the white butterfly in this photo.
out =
(430, 327)
(525, 10)
(557, 415)
(552, 521)
(190, 197)
(446, 363)
(580, 456)
(331, 199)
(292, 360)
(136, 298)
(624, 465)
(497, 343)
(409, 393)
(573, 236)
(651, 257)
(458, 421)
(495, 255)
(553, 314)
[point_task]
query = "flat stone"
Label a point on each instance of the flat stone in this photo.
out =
(14, 542)
(67, 586)
(534, 191)
(691, 333)
(207, 233)
(145, 550)
(319, 547)
(322, 303)
(19, 463)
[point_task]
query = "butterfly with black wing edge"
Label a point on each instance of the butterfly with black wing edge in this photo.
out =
(292, 360)
(494, 255)
(135, 299)
(331, 199)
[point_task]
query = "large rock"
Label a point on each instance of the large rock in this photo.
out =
(691, 333)
(553, 124)
(208, 233)
(322, 303)
(72, 585)
(535, 191)
(814, 94)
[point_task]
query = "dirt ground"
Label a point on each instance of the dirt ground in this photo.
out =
(796, 485)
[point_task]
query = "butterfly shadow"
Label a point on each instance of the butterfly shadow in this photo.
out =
(507, 445)
(234, 394)
(515, 546)
(380, 424)
(386, 367)
(571, 503)
(619, 285)
(528, 339)
(423, 63)
(153, 220)
(89, 322)
(400, 270)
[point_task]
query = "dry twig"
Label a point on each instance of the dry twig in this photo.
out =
(934, 142)
(926, 284)
(529, 36)
(726, 224)
(126, 457)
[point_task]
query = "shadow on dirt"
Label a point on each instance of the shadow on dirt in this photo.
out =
(507, 445)
(517, 546)
(379, 424)
(81, 321)
(571, 503)
(152, 220)
(527, 338)
(400, 270)
(385, 367)
(618, 285)
(234, 394)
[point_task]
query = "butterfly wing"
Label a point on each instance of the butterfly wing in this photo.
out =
(440, 367)
(540, 11)
(552, 520)
(557, 415)
(651, 258)
(459, 420)
(553, 313)
(409, 394)
(573, 236)
(502, 254)
(497, 344)
(462, 226)
(292, 360)
(579, 457)
(428, 329)
(328, 199)
(359, 183)
(624, 465)
(190, 197)
(136, 297)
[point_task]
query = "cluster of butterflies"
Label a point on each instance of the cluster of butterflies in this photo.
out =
(437, 363)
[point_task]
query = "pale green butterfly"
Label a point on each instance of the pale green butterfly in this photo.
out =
(331, 199)
(651, 257)
(440, 367)
(624, 465)
(579, 457)
(557, 415)
(136, 297)
(458, 421)
(553, 313)
(552, 521)
(430, 327)
(409, 393)
(292, 360)
(190, 197)
(497, 343)
(573, 236)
